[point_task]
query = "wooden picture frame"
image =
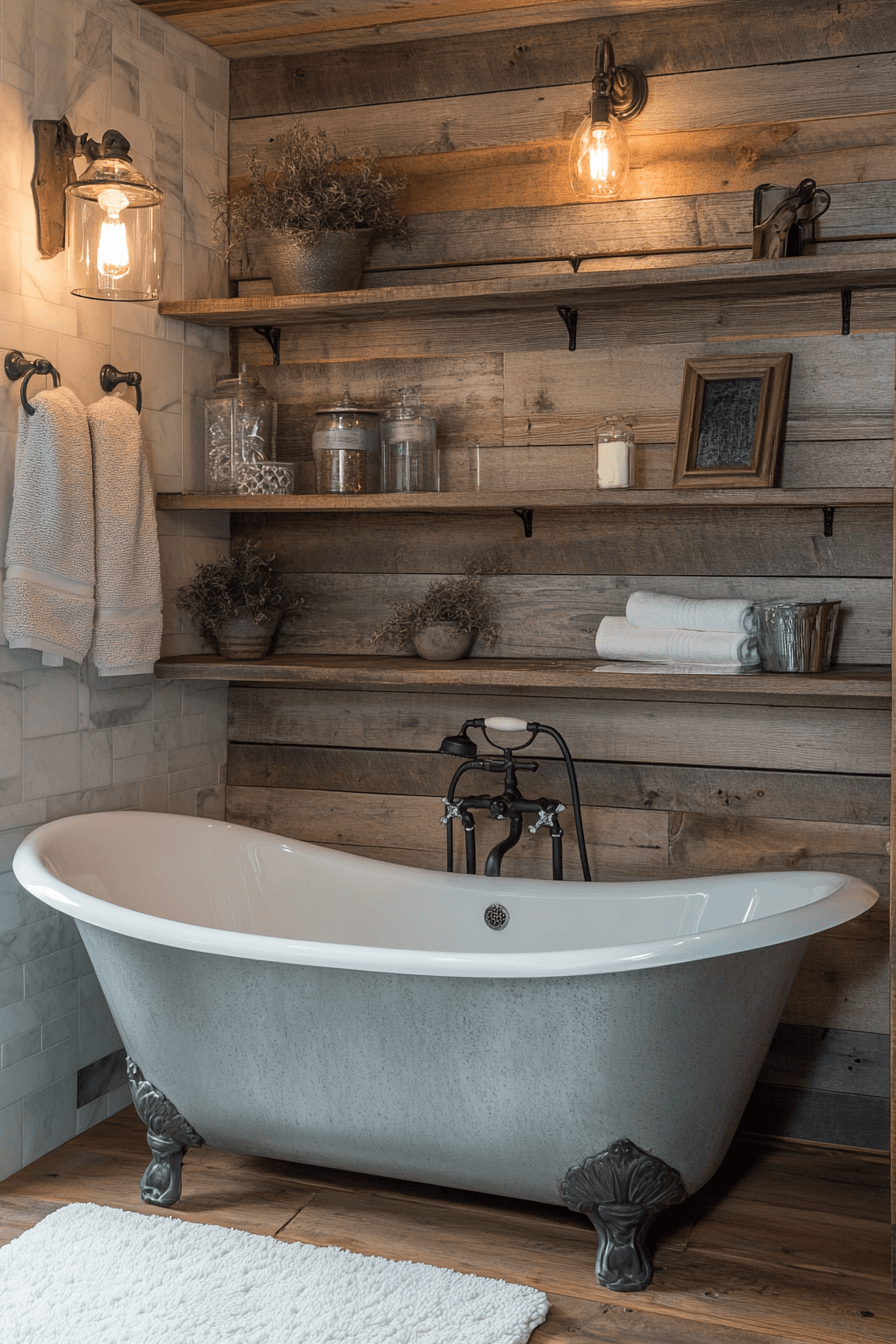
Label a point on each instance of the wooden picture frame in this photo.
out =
(731, 422)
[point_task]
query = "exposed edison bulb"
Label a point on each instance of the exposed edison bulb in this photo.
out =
(598, 159)
(112, 257)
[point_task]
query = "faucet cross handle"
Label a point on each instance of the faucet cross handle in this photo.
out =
(452, 812)
(547, 816)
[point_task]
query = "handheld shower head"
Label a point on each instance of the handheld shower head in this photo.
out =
(460, 745)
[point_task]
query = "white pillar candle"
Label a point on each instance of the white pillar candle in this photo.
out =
(614, 464)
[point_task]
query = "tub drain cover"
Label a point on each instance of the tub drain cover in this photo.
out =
(496, 917)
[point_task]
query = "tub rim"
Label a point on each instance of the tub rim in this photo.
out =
(849, 897)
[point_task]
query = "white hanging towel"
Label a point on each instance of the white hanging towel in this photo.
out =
(617, 639)
(49, 586)
(661, 611)
(127, 631)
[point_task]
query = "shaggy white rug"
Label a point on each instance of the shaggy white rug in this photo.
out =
(90, 1275)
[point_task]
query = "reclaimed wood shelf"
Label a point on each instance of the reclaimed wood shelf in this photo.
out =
(459, 501)
(362, 671)
(629, 284)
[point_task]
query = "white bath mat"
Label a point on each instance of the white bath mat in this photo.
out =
(89, 1275)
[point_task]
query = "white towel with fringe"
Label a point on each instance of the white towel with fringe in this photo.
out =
(662, 611)
(616, 638)
(48, 590)
(127, 630)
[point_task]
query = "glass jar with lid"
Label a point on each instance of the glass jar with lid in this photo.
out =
(240, 429)
(346, 447)
(410, 454)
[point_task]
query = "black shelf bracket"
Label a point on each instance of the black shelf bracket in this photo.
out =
(570, 320)
(525, 516)
(828, 514)
(845, 311)
(272, 336)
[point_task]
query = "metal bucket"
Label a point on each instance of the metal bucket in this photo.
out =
(796, 636)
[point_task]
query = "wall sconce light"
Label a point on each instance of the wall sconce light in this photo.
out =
(598, 156)
(109, 220)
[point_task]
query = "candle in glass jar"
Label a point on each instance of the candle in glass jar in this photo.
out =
(615, 441)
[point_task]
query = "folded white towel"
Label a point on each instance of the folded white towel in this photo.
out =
(127, 631)
(48, 589)
(617, 639)
(661, 611)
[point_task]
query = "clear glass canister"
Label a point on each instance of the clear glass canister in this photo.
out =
(615, 442)
(346, 446)
(240, 428)
(410, 454)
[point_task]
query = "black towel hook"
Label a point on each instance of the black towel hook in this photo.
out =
(110, 378)
(16, 366)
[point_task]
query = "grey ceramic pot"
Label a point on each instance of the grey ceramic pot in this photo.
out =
(443, 641)
(308, 264)
(240, 637)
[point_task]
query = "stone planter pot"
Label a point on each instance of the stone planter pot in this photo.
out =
(305, 264)
(443, 641)
(241, 638)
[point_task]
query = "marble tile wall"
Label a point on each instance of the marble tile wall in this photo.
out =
(71, 741)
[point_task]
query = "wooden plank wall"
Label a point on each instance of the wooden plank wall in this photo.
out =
(479, 123)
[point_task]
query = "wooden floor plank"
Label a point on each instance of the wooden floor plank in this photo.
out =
(784, 1244)
(215, 1193)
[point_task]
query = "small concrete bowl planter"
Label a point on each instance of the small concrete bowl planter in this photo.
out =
(240, 637)
(443, 641)
(311, 263)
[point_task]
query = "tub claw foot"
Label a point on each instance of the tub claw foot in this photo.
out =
(622, 1190)
(168, 1135)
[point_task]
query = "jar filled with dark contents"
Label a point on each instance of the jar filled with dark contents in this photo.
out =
(346, 446)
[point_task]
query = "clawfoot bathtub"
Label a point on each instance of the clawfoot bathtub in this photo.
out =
(589, 1044)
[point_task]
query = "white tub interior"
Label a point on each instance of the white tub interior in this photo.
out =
(231, 889)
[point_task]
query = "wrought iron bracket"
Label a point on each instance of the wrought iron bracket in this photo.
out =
(570, 321)
(845, 311)
(168, 1135)
(272, 336)
(525, 516)
(828, 515)
(621, 1190)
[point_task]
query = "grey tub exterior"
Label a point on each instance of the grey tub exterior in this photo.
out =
(498, 1085)
(284, 1000)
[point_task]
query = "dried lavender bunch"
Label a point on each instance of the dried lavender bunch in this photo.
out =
(312, 190)
(463, 601)
(241, 579)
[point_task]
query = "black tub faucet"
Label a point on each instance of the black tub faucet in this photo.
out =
(509, 805)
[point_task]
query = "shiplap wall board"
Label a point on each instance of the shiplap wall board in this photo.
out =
(559, 53)
(479, 123)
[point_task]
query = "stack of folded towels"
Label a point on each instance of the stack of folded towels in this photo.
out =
(658, 628)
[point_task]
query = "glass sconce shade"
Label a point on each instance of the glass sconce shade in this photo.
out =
(114, 233)
(598, 155)
(598, 159)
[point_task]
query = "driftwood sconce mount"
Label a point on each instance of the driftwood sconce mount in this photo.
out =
(55, 149)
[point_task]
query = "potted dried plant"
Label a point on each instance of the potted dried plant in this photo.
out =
(237, 602)
(451, 614)
(311, 219)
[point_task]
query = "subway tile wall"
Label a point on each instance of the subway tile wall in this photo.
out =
(71, 741)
